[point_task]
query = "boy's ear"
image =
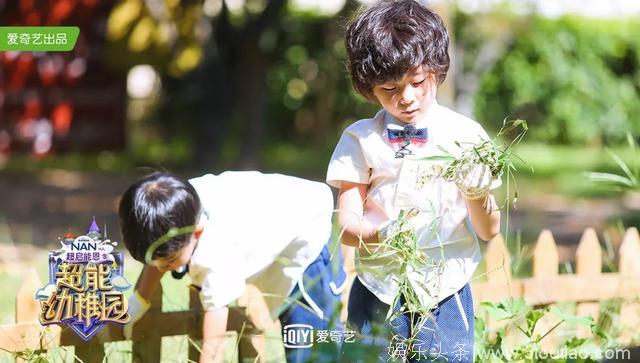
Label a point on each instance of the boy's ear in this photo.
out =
(198, 232)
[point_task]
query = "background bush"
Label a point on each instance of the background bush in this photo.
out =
(575, 80)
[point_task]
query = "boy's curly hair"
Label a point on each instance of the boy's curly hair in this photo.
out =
(386, 40)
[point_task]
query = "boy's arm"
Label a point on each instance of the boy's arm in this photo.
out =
(140, 300)
(353, 226)
(148, 281)
(485, 216)
(214, 327)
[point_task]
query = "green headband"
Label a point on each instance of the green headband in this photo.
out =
(173, 232)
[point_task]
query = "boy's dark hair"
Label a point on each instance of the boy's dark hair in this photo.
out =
(388, 39)
(151, 207)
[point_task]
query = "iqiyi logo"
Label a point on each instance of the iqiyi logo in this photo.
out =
(297, 336)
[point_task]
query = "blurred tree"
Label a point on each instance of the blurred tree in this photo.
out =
(481, 41)
(212, 63)
(229, 66)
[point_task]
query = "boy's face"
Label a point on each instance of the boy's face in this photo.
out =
(180, 257)
(408, 99)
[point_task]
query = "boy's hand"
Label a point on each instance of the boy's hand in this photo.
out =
(137, 307)
(475, 182)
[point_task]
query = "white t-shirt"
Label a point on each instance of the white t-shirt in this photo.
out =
(365, 155)
(263, 229)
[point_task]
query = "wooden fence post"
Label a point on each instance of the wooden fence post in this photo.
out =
(545, 270)
(545, 256)
(499, 285)
(588, 264)
(146, 337)
(27, 307)
(27, 310)
(196, 334)
(498, 261)
(91, 351)
(629, 268)
(26, 333)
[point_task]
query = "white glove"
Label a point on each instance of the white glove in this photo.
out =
(475, 182)
(137, 307)
(387, 229)
(393, 227)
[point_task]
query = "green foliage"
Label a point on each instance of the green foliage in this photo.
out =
(575, 80)
(517, 339)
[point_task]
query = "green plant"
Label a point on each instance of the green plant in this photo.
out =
(630, 178)
(402, 248)
(517, 339)
(40, 354)
(492, 153)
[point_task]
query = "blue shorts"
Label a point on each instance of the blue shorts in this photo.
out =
(316, 301)
(446, 336)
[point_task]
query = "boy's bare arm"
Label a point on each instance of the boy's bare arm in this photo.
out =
(351, 198)
(214, 327)
(485, 216)
(140, 300)
(148, 281)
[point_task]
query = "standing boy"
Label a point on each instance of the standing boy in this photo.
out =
(232, 229)
(397, 55)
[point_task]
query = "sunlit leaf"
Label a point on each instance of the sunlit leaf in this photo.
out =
(143, 35)
(122, 18)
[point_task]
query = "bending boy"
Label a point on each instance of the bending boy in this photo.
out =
(232, 229)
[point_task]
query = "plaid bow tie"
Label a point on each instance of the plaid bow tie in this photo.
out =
(409, 133)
